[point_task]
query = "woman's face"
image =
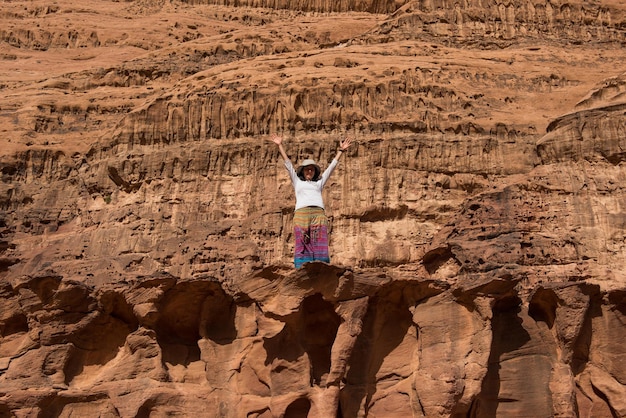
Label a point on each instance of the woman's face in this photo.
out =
(309, 172)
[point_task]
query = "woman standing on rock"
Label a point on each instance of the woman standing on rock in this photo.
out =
(309, 221)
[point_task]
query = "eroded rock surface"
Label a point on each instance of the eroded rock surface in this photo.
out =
(478, 244)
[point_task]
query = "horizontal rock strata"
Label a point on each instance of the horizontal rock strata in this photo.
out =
(477, 223)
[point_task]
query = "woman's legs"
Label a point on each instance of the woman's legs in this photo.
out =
(311, 236)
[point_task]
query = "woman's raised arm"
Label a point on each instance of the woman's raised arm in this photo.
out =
(278, 140)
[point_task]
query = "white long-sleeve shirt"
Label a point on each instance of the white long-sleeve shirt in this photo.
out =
(309, 193)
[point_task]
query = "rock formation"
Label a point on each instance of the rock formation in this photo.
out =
(478, 226)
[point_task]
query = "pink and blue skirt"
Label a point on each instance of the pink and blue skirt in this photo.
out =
(310, 227)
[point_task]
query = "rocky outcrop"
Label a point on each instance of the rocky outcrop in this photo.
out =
(477, 222)
(493, 24)
(313, 342)
(323, 6)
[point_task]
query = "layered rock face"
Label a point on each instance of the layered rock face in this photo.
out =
(477, 224)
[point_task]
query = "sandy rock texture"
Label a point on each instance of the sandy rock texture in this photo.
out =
(478, 222)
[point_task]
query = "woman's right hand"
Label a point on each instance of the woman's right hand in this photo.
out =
(345, 144)
(278, 140)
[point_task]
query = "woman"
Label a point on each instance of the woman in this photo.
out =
(309, 221)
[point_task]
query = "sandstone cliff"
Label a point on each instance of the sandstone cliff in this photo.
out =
(478, 229)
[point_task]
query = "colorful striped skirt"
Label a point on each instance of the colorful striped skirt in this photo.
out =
(310, 228)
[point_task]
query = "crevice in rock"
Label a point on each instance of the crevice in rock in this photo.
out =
(94, 345)
(318, 331)
(542, 306)
(436, 258)
(600, 394)
(582, 344)
(508, 335)
(377, 214)
(282, 346)
(312, 331)
(190, 311)
(298, 408)
(114, 304)
(618, 299)
(385, 326)
(15, 324)
(127, 186)
(16, 321)
(6, 262)
(217, 321)
(146, 408)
